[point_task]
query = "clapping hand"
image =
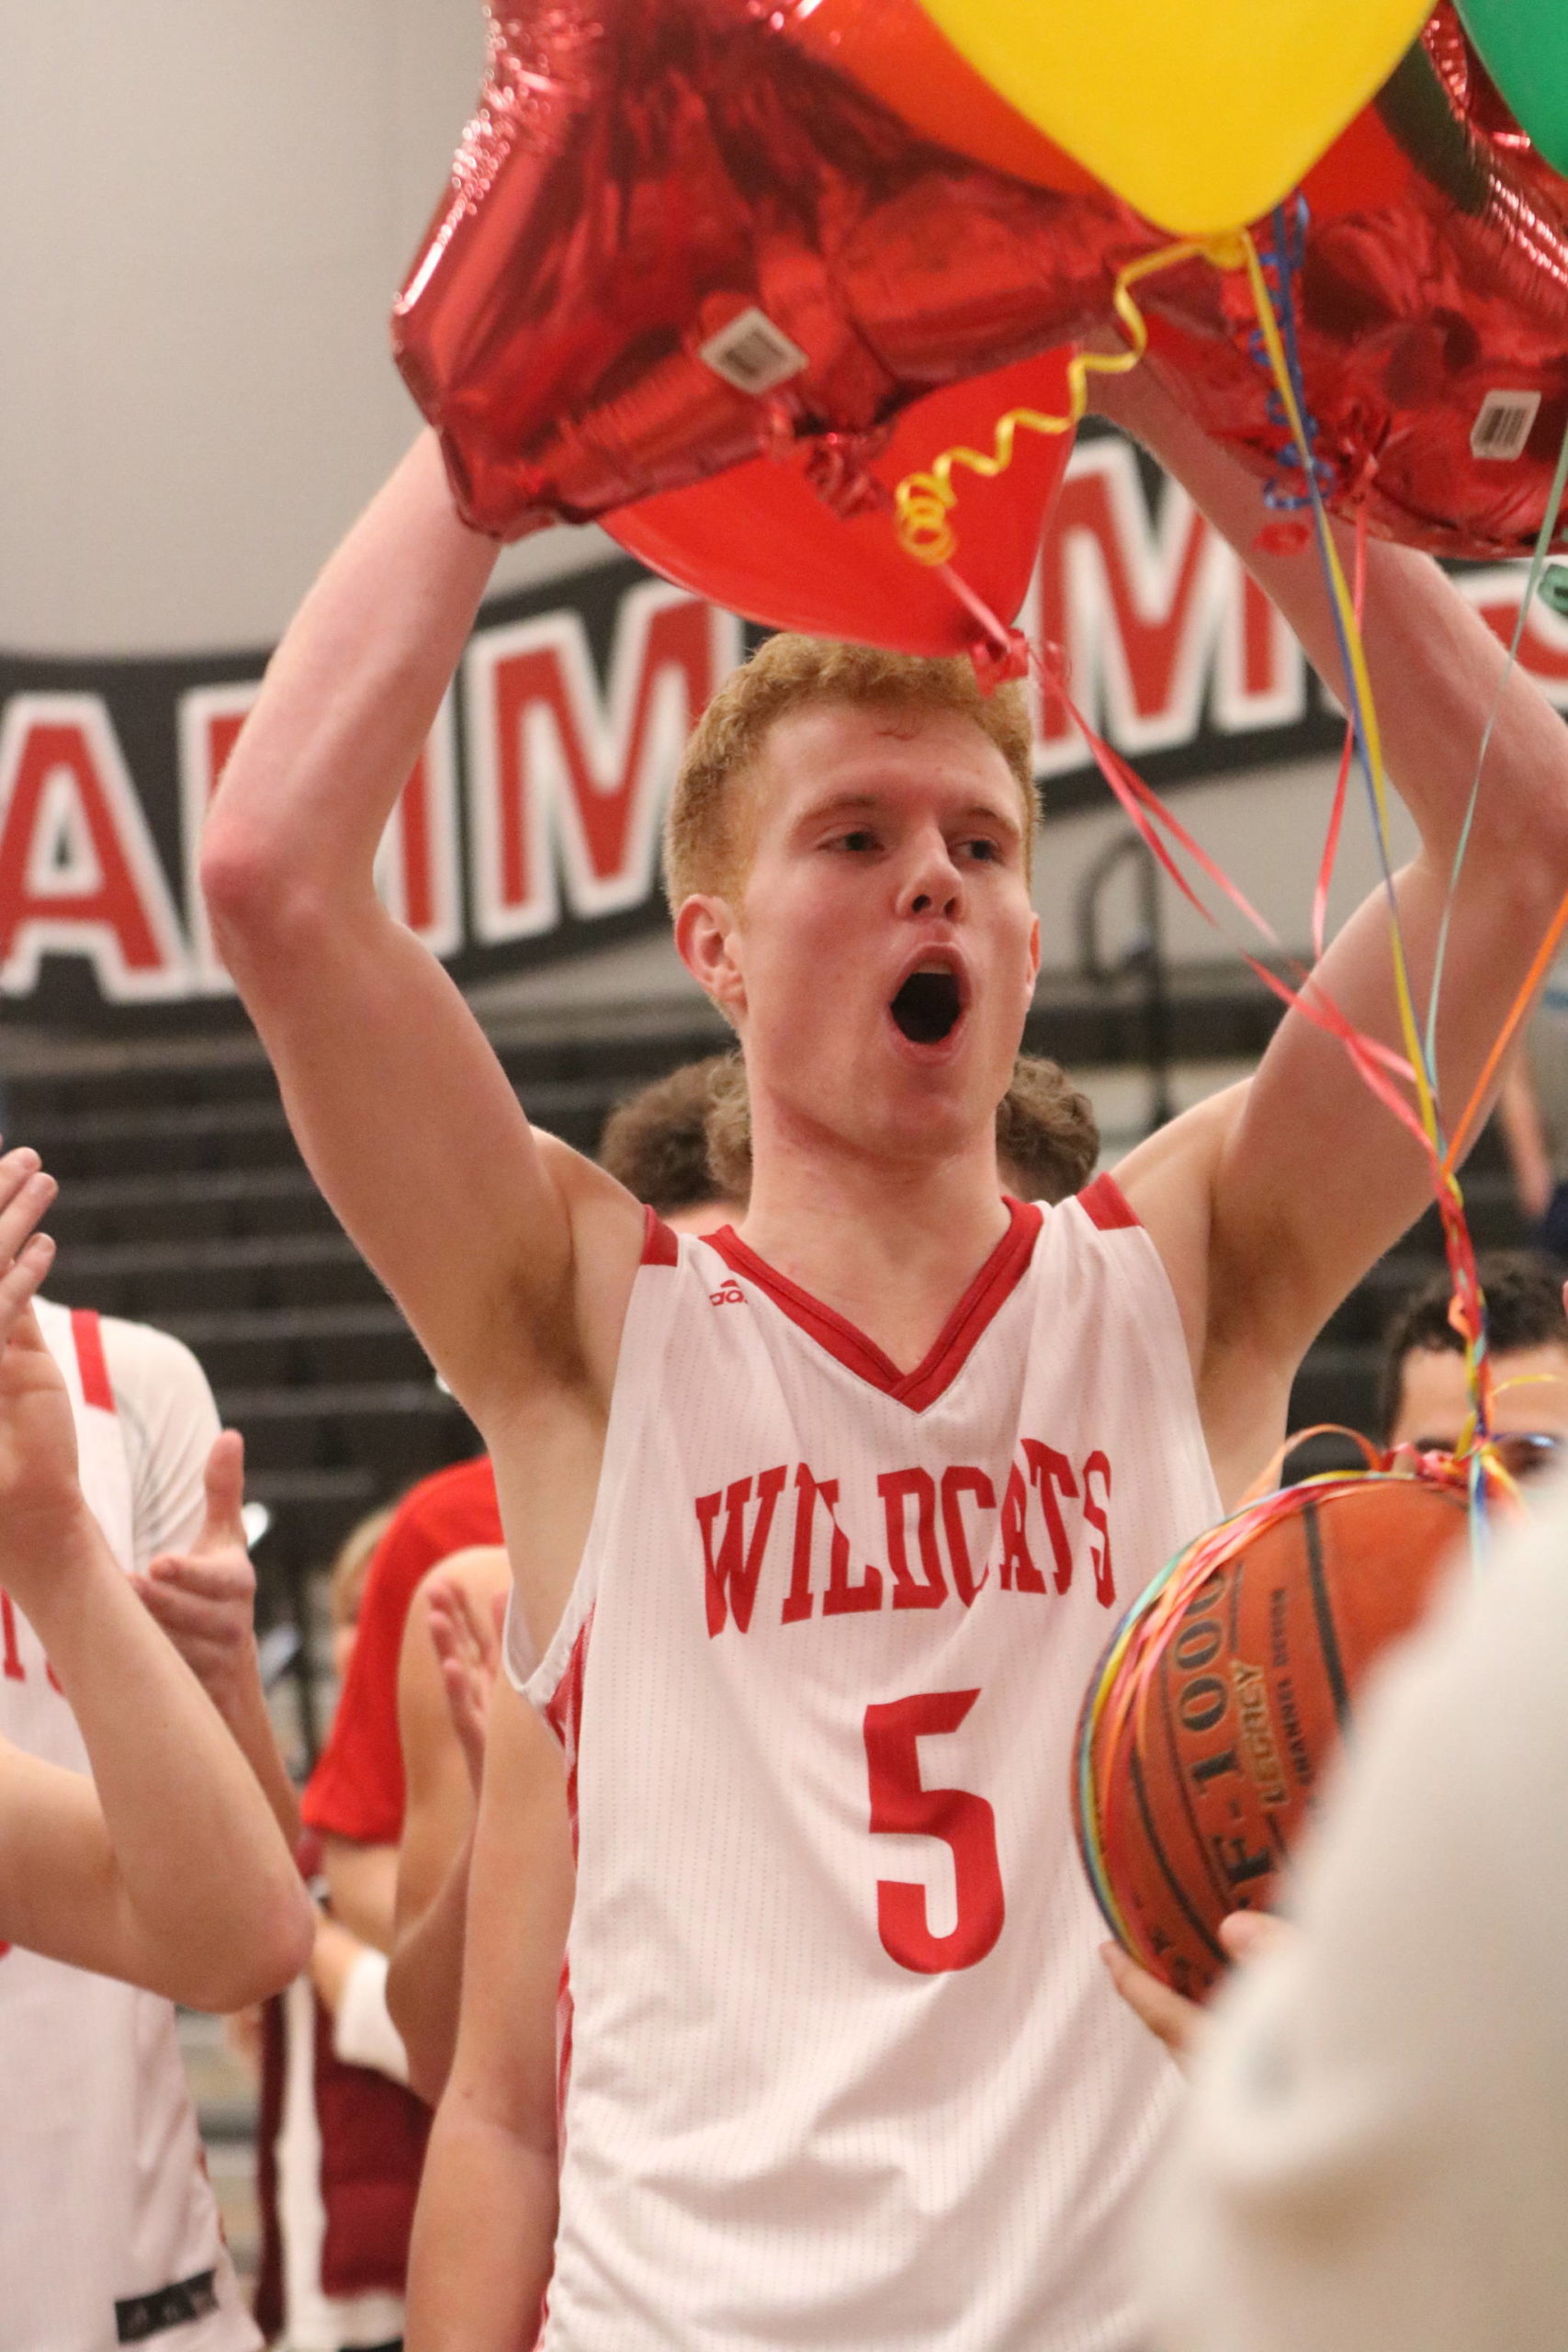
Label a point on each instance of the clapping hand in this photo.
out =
(470, 1652)
(205, 1599)
(40, 1500)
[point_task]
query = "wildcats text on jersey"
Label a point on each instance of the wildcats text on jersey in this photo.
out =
(1054, 1522)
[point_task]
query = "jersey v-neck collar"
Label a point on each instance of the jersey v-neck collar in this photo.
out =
(956, 1342)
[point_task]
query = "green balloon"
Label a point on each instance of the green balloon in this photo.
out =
(1523, 47)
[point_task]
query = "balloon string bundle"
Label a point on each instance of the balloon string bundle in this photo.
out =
(1468, 1310)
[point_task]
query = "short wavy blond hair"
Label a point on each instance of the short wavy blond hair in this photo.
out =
(704, 848)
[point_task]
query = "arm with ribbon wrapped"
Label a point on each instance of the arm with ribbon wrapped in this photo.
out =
(1305, 1176)
(1269, 1202)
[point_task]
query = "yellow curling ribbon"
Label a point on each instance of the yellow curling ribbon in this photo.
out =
(923, 502)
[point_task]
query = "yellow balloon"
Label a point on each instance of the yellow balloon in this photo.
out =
(1201, 113)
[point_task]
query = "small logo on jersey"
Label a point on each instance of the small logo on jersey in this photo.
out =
(728, 1294)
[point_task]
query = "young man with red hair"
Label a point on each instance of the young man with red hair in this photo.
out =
(821, 1526)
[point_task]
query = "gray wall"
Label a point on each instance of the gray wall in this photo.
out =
(207, 209)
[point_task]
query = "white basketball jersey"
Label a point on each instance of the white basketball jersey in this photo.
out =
(841, 2067)
(108, 2230)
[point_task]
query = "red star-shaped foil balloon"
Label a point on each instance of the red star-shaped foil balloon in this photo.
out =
(674, 242)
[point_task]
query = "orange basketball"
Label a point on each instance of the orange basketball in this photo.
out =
(1221, 1701)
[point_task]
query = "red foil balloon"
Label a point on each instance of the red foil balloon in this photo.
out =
(805, 541)
(1430, 310)
(674, 244)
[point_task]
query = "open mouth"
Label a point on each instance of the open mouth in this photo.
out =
(927, 1007)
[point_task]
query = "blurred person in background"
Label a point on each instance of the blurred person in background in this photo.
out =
(1423, 1400)
(109, 2232)
(354, 1800)
(340, 2136)
(657, 1145)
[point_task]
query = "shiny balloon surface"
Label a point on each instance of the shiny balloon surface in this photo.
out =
(673, 243)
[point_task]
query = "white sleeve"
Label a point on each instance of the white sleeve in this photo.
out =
(363, 2031)
(1374, 2158)
(169, 1421)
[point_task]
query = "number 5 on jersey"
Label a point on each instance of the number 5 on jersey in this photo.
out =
(900, 1806)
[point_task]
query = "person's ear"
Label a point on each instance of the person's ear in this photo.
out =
(706, 942)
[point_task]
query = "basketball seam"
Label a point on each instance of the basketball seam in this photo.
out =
(1327, 1635)
(1157, 1851)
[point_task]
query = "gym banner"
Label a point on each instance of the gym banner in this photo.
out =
(530, 826)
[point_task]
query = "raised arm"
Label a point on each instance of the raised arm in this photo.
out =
(1271, 1208)
(424, 1984)
(401, 1108)
(484, 2232)
(166, 1867)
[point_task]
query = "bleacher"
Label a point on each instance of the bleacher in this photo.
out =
(185, 1202)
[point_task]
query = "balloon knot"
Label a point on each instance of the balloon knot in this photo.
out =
(837, 470)
(996, 664)
(1287, 535)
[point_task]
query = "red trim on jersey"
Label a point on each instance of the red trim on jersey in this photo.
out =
(1105, 1205)
(88, 1336)
(660, 1246)
(563, 1713)
(995, 1283)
